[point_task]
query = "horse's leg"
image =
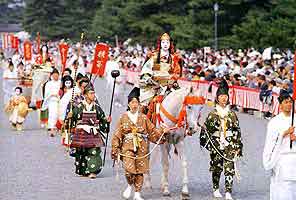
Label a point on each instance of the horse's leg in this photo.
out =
(181, 149)
(165, 169)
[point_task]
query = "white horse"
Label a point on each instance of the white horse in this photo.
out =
(180, 109)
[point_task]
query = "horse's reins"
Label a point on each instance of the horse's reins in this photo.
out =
(189, 100)
(179, 122)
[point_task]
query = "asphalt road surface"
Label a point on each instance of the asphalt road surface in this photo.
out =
(34, 166)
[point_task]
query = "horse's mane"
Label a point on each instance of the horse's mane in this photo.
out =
(179, 92)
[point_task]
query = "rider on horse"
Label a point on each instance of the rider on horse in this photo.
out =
(160, 72)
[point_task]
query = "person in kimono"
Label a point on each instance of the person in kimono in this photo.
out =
(161, 69)
(278, 156)
(51, 101)
(130, 144)
(89, 125)
(225, 142)
(17, 108)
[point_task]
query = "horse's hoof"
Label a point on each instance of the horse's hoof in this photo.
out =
(185, 196)
(166, 194)
(165, 191)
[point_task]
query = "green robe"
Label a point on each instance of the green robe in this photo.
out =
(214, 129)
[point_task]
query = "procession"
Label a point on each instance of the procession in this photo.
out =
(93, 119)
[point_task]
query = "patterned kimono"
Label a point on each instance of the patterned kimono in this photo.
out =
(222, 126)
(87, 138)
(131, 139)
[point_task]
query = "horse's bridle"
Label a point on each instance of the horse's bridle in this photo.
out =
(181, 121)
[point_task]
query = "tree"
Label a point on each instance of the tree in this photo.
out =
(42, 16)
(57, 19)
(274, 25)
(11, 12)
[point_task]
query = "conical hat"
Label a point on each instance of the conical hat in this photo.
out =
(23, 109)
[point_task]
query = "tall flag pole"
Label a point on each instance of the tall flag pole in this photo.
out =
(294, 97)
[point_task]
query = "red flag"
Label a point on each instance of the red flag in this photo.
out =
(5, 42)
(28, 50)
(11, 40)
(64, 52)
(100, 59)
(15, 43)
(294, 81)
(38, 42)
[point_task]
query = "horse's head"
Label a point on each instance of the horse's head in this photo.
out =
(193, 104)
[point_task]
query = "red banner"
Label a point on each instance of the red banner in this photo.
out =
(64, 52)
(5, 41)
(28, 50)
(294, 81)
(17, 42)
(11, 40)
(14, 42)
(100, 59)
(38, 42)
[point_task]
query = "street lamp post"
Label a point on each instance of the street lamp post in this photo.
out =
(216, 9)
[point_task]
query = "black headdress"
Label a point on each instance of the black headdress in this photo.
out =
(284, 94)
(222, 89)
(135, 93)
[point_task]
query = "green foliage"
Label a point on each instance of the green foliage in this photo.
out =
(241, 23)
(272, 26)
(8, 14)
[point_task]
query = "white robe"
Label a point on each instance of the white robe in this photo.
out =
(279, 158)
(65, 100)
(51, 102)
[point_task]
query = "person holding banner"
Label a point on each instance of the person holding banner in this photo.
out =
(162, 67)
(277, 155)
(89, 125)
(130, 144)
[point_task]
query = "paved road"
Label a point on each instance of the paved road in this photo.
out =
(34, 166)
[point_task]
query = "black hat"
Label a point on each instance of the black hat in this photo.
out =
(69, 70)
(223, 88)
(55, 71)
(79, 76)
(88, 88)
(135, 93)
(284, 94)
(83, 81)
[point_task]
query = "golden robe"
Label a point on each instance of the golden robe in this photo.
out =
(133, 140)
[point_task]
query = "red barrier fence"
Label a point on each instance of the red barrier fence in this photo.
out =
(238, 95)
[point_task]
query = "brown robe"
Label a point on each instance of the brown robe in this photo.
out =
(122, 142)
